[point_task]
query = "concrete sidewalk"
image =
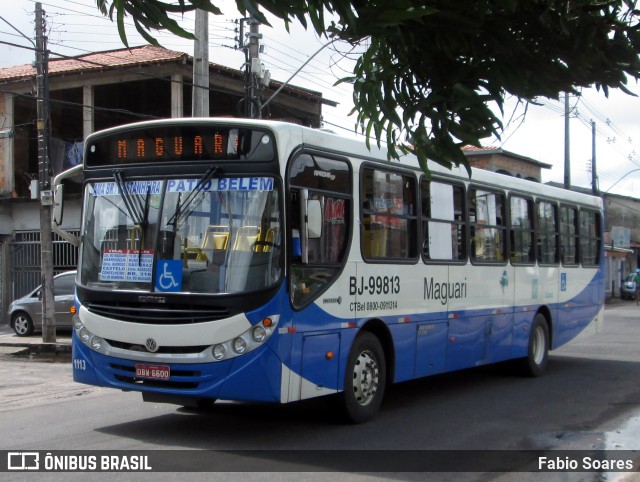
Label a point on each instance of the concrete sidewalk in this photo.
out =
(11, 344)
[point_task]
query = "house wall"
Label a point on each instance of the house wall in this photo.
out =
(623, 212)
(513, 165)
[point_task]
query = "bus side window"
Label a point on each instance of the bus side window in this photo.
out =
(590, 237)
(569, 235)
(522, 230)
(548, 234)
(443, 221)
(486, 226)
(389, 219)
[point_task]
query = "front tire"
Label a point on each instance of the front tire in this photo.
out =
(22, 324)
(535, 364)
(365, 379)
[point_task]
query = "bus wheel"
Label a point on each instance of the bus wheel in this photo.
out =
(535, 363)
(365, 379)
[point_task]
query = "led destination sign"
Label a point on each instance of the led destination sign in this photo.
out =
(170, 143)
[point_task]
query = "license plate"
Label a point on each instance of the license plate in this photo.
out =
(153, 372)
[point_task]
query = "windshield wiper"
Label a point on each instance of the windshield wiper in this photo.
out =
(144, 223)
(129, 201)
(213, 171)
(138, 212)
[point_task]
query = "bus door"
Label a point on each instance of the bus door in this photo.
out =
(320, 224)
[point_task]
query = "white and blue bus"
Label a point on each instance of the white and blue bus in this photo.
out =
(230, 259)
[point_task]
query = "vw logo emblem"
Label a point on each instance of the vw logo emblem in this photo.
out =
(151, 345)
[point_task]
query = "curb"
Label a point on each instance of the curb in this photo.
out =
(41, 352)
(41, 347)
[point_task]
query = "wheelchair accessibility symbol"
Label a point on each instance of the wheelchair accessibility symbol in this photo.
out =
(169, 275)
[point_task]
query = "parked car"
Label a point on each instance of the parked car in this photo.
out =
(628, 288)
(26, 313)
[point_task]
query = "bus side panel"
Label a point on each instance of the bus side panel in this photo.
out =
(522, 319)
(431, 344)
(580, 305)
(501, 336)
(318, 337)
(482, 339)
(320, 360)
(467, 339)
(481, 317)
(404, 346)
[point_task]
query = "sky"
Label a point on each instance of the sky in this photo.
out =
(76, 27)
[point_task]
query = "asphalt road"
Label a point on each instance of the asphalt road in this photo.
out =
(589, 399)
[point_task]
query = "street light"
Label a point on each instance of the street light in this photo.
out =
(612, 186)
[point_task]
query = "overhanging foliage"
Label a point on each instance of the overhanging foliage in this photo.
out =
(432, 70)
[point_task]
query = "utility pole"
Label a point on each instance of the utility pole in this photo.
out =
(200, 95)
(256, 68)
(567, 160)
(44, 177)
(594, 174)
(255, 77)
(242, 107)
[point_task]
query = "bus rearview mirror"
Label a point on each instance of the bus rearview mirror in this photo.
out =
(314, 218)
(58, 196)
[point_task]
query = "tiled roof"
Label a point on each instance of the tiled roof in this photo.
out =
(136, 56)
(484, 150)
(147, 54)
(475, 151)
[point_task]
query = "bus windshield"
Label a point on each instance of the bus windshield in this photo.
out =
(220, 235)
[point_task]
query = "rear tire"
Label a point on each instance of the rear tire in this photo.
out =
(365, 379)
(535, 364)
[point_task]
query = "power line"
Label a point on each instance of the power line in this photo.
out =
(18, 45)
(22, 34)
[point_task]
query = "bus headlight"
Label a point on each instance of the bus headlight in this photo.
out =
(96, 342)
(248, 341)
(239, 346)
(259, 334)
(77, 324)
(218, 352)
(84, 335)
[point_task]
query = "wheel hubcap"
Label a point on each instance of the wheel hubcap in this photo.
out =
(21, 325)
(365, 378)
